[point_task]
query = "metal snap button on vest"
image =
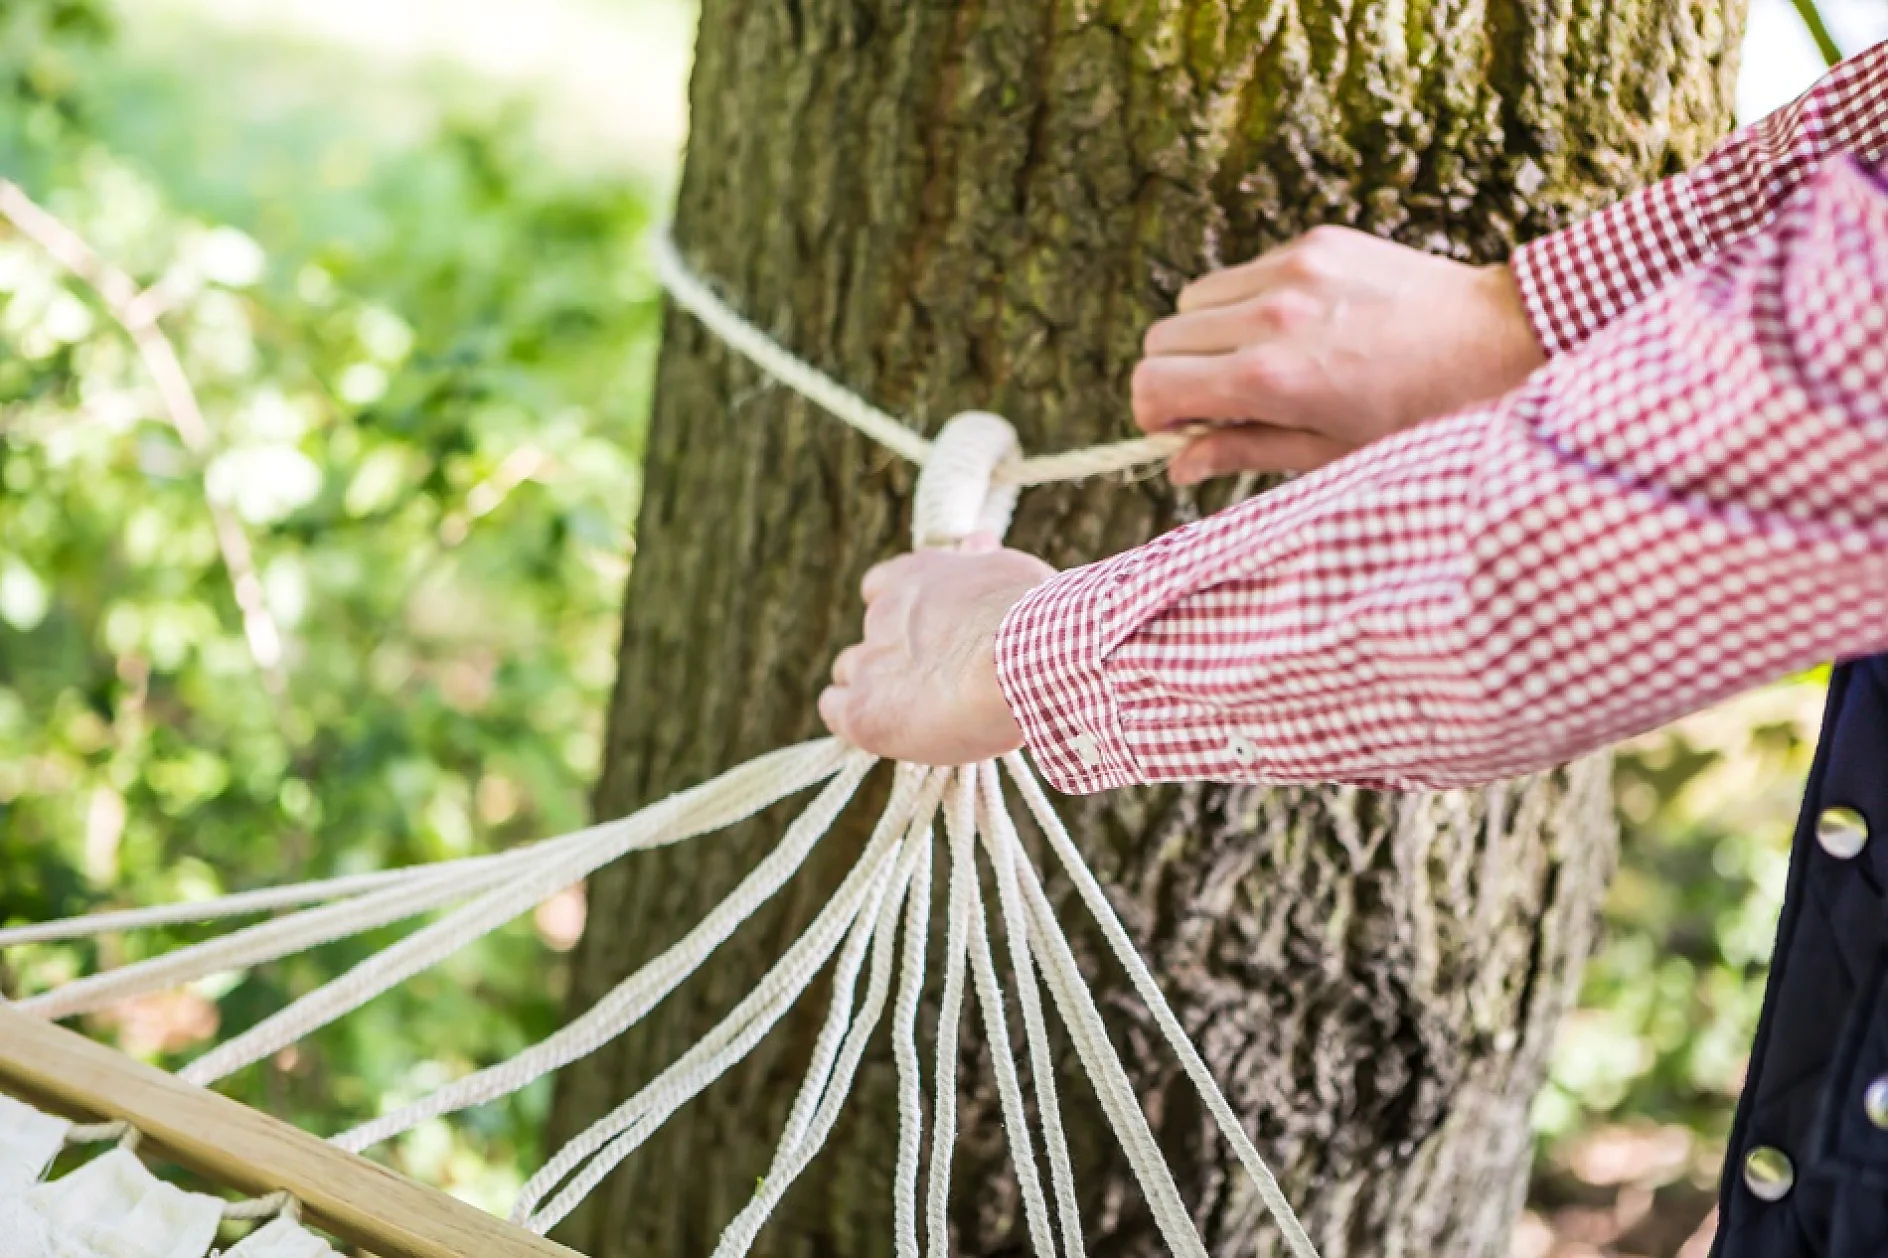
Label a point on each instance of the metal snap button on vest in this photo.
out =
(1769, 1173)
(1875, 1102)
(1842, 832)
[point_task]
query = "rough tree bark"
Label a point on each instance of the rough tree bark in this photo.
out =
(982, 204)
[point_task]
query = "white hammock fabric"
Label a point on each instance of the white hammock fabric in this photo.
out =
(113, 1207)
(968, 484)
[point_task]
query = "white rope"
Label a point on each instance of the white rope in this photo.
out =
(239, 904)
(969, 484)
(613, 1137)
(1130, 959)
(1118, 1102)
(253, 945)
(694, 295)
(714, 805)
(610, 1140)
(905, 1054)
(958, 820)
(586, 1159)
(96, 1133)
(795, 1152)
(993, 823)
(623, 1007)
(419, 892)
(996, 1033)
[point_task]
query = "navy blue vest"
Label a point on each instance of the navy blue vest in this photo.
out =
(1806, 1175)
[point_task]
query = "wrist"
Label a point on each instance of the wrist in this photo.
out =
(986, 682)
(1515, 347)
(993, 706)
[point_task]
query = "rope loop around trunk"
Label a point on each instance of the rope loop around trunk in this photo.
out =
(958, 492)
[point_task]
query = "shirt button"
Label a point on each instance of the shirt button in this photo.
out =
(1769, 1173)
(1241, 749)
(1875, 1102)
(1087, 750)
(1841, 832)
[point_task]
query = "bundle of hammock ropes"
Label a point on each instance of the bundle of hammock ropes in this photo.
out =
(940, 831)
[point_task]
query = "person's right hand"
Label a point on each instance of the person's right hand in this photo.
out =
(1324, 345)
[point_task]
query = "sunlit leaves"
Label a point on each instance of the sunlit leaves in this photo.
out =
(425, 384)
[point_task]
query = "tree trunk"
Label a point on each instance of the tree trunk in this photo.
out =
(983, 204)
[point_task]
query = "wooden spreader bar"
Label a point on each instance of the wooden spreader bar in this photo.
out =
(362, 1203)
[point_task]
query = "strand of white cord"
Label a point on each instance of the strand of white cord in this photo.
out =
(257, 944)
(905, 1054)
(594, 1152)
(419, 891)
(356, 903)
(996, 1033)
(1118, 1103)
(949, 1018)
(822, 1071)
(583, 1162)
(1003, 847)
(592, 1155)
(238, 904)
(833, 1034)
(1142, 978)
(412, 892)
(804, 1140)
(623, 1007)
(694, 295)
(713, 805)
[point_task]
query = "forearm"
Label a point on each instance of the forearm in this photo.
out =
(1577, 281)
(1693, 504)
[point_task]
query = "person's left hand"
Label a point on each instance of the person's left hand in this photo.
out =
(922, 686)
(1326, 344)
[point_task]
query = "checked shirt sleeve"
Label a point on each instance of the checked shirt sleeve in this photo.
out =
(1694, 503)
(1579, 280)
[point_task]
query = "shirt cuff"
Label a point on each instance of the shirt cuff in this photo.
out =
(1577, 281)
(1049, 661)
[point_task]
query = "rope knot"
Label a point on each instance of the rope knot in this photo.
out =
(959, 492)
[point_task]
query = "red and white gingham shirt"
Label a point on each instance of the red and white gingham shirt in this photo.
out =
(1689, 499)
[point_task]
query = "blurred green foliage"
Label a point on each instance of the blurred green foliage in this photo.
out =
(424, 353)
(1647, 1070)
(424, 360)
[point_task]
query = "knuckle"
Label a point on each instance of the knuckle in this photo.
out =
(1287, 311)
(1144, 395)
(1146, 375)
(1317, 254)
(1299, 265)
(1264, 317)
(882, 578)
(1193, 294)
(1259, 371)
(1257, 317)
(869, 725)
(1154, 340)
(832, 710)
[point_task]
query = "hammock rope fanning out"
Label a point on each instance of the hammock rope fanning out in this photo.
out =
(873, 932)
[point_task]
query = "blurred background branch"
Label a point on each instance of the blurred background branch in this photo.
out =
(1818, 30)
(137, 311)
